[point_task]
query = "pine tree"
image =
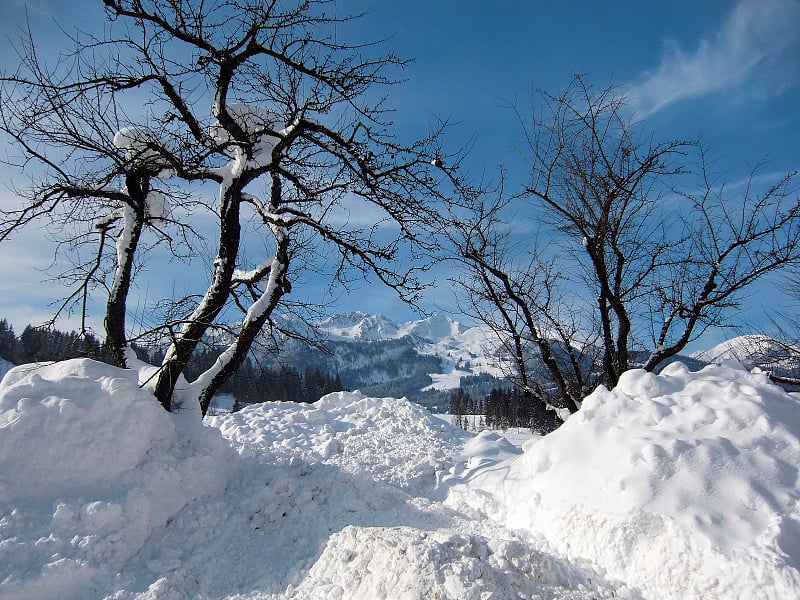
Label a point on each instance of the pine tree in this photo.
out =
(8, 341)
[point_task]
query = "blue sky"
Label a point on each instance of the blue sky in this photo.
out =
(725, 70)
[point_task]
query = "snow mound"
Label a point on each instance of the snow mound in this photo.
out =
(682, 484)
(403, 563)
(105, 495)
(391, 440)
(90, 467)
(672, 486)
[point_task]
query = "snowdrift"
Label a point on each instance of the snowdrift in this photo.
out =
(90, 468)
(105, 495)
(391, 441)
(684, 485)
(681, 485)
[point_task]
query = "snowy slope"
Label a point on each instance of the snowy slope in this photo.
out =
(432, 329)
(684, 485)
(463, 351)
(367, 350)
(468, 352)
(681, 485)
(104, 495)
(743, 348)
(753, 350)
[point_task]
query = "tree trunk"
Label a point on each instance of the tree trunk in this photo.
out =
(133, 216)
(213, 302)
(257, 316)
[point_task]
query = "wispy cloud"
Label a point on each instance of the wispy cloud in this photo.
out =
(756, 50)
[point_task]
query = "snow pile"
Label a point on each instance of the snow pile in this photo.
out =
(347, 508)
(403, 563)
(105, 495)
(392, 441)
(90, 468)
(678, 485)
(684, 485)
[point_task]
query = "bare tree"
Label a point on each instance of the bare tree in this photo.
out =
(516, 294)
(598, 179)
(782, 358)
(732, 238)
(261, 101)
(636, 263)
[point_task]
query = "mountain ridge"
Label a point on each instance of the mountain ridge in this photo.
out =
(426, 358)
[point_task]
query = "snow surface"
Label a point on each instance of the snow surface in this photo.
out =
(684, 485)
(680, 485)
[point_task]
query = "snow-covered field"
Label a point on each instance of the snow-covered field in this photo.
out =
(681, 486)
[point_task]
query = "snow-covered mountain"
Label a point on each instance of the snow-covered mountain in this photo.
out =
(462, 350)
(752, 350)
(418, 359)
(359, 326)
(424, 359)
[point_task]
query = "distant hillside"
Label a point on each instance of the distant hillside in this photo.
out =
(755, 350)
(421, 360)
(752, 349)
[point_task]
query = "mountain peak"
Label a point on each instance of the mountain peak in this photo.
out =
(358, 325)
(750, 350)
(433, 328)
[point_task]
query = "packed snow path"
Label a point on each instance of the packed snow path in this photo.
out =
(104, 495)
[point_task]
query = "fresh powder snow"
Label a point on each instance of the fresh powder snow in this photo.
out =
(677, 486)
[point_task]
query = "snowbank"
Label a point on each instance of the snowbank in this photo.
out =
(90, 467)
(390, 440)
(403, 563)
(105, 495)
(682, 484)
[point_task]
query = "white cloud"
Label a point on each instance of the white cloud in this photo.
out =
(755, 50)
